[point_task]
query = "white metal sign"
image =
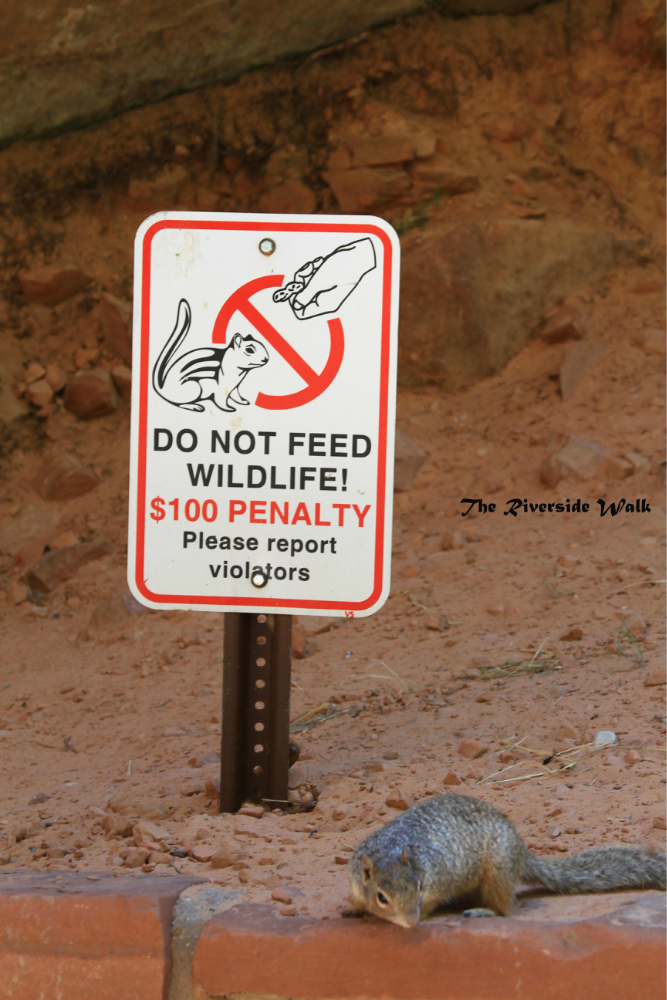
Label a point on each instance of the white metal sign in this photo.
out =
(263, 409)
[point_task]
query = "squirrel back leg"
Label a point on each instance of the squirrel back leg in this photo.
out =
(496, 888)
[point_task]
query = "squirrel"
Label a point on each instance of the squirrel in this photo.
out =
(214, 373)
(454, 845)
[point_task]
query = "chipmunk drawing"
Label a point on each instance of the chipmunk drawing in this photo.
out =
(214, 373)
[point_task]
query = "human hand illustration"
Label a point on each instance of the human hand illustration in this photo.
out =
(321, 285)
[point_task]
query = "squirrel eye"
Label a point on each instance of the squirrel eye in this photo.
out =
(382, 899)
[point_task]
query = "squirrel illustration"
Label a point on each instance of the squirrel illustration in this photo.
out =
(214, 373)
(454, 845)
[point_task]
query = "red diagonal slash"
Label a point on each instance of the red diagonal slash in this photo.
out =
(239, 301)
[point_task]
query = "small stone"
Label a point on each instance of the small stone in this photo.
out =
(392, 755)
(298, 641)
(638, 462)
(660, 823)
(146, 832)
(408, 460)
(484, 698)
(471, 749)
(33, 372)
(435, 622)
(618, 468)
(397, 799)
(60, 565)
(340, 812)
(63, 477)
(52, 283)
(268, 860)
(569, 323)
(577, 460)
(137, 857)
(85, 357)
(573, 634)
(212, 788)
(37, 799)
(566, 732)
(554, 831)
(56, 377)
(287, 911)
(656, 678)
(116, 320)
(17, 592)
(90, 394)
(633, 622)
(122, 379)
(203, 853)
(451, 779)
(39, 393)
(226, 855)
(56, 852)
(632, 757)
(651, 342)
(496, 610)
(604, 737)
(452, 540)
(118, 824)
(281, 895)
(211, 757)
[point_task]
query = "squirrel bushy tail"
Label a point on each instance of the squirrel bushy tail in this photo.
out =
(599, 870)
(176, 338)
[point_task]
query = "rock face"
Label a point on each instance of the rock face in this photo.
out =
(70, 66)
(52, 284)
(90, 394)
(471, 294)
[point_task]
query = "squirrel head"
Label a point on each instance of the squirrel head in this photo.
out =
(253, 354)
(392, 891)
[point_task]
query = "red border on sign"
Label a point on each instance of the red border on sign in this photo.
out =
(144, 383)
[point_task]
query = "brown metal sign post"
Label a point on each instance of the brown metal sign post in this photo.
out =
(254, 752)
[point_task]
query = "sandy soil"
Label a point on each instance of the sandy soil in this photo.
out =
(104, 717)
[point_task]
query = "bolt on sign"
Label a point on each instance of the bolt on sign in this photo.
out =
(263, 412)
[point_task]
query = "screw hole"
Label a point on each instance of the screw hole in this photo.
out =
(261, 640)
(258, 748)
(257, 769)
(259, 727)
(259, 705)
(260, 684)
(260, 661)
(261, 619)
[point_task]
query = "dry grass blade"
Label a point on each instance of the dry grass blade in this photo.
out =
(315, 716)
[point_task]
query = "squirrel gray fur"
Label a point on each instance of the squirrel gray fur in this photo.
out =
(453, 845)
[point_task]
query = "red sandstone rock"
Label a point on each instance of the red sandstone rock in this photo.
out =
(39, 393)
(52, 284)
(116, 319)
(292, 196)
(57, 566)
(577, 460)
(63, 477)
(568, 323)
(451, 779)
(90, 394)
(255, 952)
(56, 377)
(365, 188)
(398, 799)
(471, 749)
(122, 379)
(298, 641)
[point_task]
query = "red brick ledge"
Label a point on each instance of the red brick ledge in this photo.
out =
(67, 935)
(251, 950)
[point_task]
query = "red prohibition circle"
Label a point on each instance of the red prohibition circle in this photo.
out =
(239, 301)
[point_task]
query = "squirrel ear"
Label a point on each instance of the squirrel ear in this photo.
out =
(404, 859)
(368, 868)
(237, 340)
